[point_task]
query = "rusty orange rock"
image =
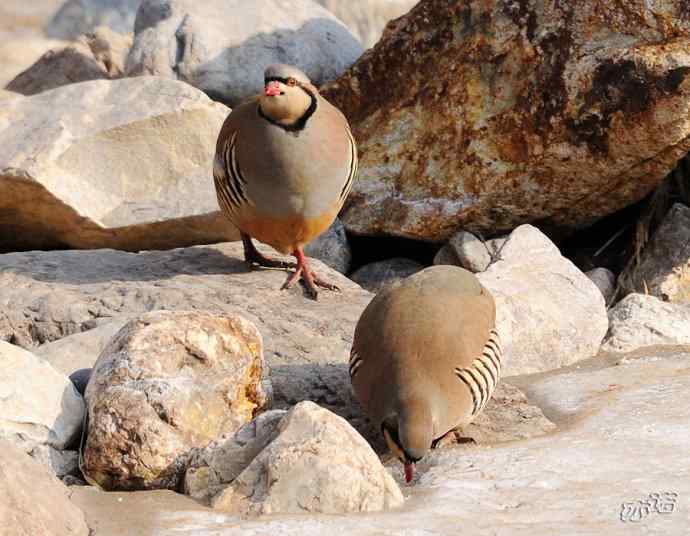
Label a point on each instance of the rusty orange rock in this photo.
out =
(484, 115)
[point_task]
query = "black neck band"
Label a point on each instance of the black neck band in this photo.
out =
(302, 121)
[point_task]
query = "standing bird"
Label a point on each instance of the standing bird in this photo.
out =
(426, 358)
(284, 165)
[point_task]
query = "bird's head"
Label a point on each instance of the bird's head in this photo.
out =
(409, 435)
(288, 96)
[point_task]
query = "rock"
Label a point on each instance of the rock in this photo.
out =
(18, 53)
(466, 250)
(605, 280)
(332, 248)
(478, 115)
(79, 352)
(169, 382)
(377, 275)
(214, 467)
(77, 17)
(64, 180)
(34, 501)
(80, 378)
(95, 56)
(62, 462)
(4, 94)
(548, 313)
(664, 270)
(367, 18)
(317, 463)
(223, 46)
(39, 406)
(638, 321)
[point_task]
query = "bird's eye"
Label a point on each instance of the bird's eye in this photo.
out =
(291, 82)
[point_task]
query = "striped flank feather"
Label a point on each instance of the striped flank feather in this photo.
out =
(355, 362)
(482, 376)
(228, 179)
(354, 163)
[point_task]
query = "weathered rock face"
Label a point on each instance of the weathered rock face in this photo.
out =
(33, 501)
(166, 383)
(367, 18)
(317, 463)
(548, 313)
(122, 164)
(214, 467)
(664, 269)
(95, 56)
(465, 250)
(332, 248)
(605, 280)
(38, 405)
(487, 115)
(377, 275)
(223, 46)
(19, 52)
(639, 320)
(77, 17)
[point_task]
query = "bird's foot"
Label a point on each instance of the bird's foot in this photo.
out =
(255, 259)
(310, 280)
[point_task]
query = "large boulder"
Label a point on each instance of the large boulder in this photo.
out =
(124, 164)
(77, 17)
(223, 46)
(640, 320)
(38, 405)
(367, 18)
(317, 463)
(33, 501)
(169, 382)
(95, 56)
(548, 313)
(487, 115)
(664, 268)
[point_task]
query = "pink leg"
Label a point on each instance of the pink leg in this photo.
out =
(310, 279)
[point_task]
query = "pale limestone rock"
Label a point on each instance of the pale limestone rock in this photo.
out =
(169, 382)
(38, 405)
(95, 56)
(223, 46)
(332, 248)
(122, 163)
(639, 320)
(548, 313)
(465, 250)
(317, 463)
(4, 94)
(486, 115)
(376, 275)
(605, 280)
(33, 501)
(367, 18)
(664, 269)
(212, 468)
(77, 17)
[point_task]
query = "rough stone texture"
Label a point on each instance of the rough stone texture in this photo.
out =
(332, 248)
(95, 56)
(466, 250)
(317, 463)
(166, 383)
(223, 46)
(33, 501)
(212, 468)
(38, 405)
(573, 482)
(122, 164)
(45, 296)
(367, 18)
(486, 115)
(62, 462)
(664, 269)
(377, 275)
(19, 52)
(548, 313)
(77, 17)
(605, 280)
(638, 321)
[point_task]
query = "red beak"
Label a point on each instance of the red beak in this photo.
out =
(409, 472)
(272, 89)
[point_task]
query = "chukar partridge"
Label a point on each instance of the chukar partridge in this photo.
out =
(284, 164)
(426, 358)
